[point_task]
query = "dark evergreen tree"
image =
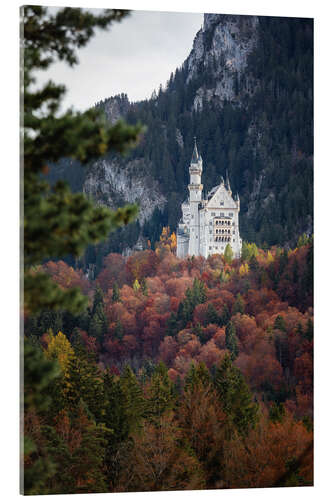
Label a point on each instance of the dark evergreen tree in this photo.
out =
(231, 341)
(235, 396)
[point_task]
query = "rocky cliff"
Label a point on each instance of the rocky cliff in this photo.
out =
(221, 47)
(112, 182)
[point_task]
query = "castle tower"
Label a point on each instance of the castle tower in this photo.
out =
(195, 188)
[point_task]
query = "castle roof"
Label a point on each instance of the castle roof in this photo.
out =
(220, 194)
(195, 154)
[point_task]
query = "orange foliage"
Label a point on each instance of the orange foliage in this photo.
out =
(141, 264)
(262, 460)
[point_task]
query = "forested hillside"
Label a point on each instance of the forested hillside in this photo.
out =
(143, 371)
(252, 118)
(169, 350)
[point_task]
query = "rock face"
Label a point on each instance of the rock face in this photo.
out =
(222, 46)
(112, 182)
(115, 107)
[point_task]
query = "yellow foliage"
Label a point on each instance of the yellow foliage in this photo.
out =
(270, 257)
(136, 285)
(173, 238)
(60, 348)
(244, 269)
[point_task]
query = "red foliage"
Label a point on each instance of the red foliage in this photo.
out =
(114, 270)
(141, 264)
(176, 287)
(168, 350)
(66, 277)
(210, 354)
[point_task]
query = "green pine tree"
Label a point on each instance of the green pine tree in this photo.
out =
(231, 341)
(228, 253)
(56, 221)
(235, 396)
(115, 292)
(211, 315)
(161, 394)
(238, 306)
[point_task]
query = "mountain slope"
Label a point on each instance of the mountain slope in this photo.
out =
(245, 92)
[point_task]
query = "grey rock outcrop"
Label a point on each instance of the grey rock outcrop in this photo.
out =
(112, 182)
(223, 46)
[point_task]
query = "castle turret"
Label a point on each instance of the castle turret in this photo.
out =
(195, 188)
(228, 183)
(238, 201)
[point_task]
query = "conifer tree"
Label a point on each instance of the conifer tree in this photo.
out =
(144, 287)
(172, 325)
(39, 376)
(115, 292)
(225, 317)
(60, 349)
(197, 374)
(228, 253)
(160, 394)
(212, 316)
(115, 417)
(238, 306)
(134, 404)
(235, 397)
(231, 340)
(98, 322)
(56, 221)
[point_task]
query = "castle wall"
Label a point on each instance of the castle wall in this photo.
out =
(182, 246)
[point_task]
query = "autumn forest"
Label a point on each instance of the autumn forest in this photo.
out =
(180, 374)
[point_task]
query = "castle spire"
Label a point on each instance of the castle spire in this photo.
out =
(195, 154)
(227, 182)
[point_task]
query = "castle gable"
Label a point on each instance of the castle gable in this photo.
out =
(219, 197)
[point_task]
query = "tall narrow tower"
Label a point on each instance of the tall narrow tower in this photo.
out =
(195, 189)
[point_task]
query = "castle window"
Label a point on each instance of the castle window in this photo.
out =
(210, 248)
(213, 214)
(221, 203)
(231, 214)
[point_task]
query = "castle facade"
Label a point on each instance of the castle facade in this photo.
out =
(208, 225)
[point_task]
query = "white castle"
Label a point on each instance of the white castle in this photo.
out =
(207, 226)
